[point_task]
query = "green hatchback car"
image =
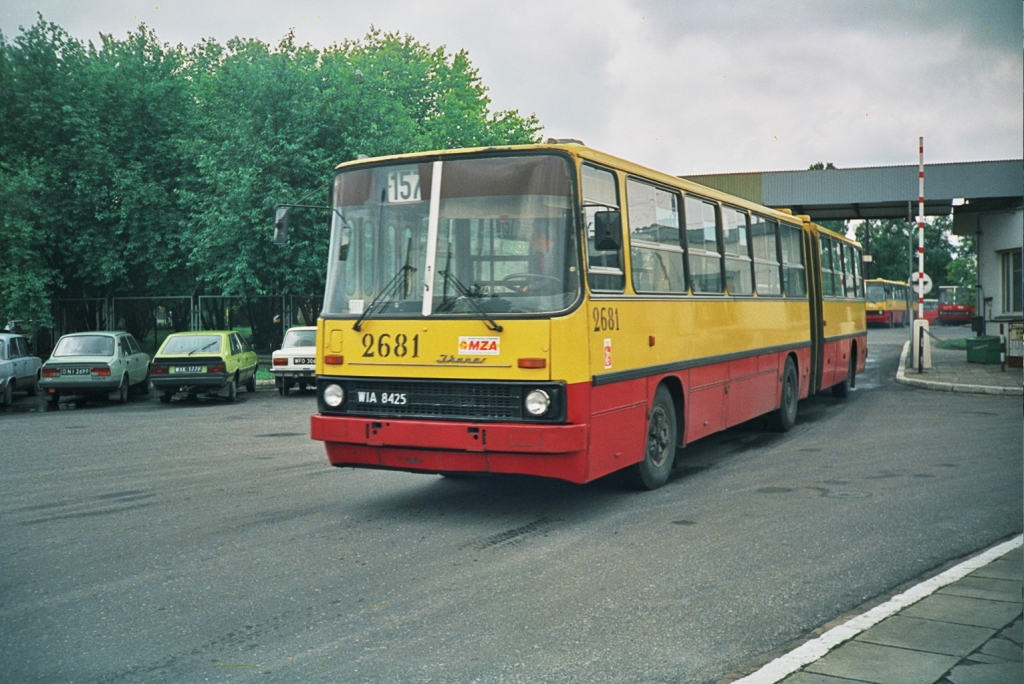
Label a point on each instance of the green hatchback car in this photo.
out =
(208, 362)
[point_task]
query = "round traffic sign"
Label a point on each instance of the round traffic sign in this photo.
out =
(923, 287)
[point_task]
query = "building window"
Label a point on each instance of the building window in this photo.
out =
(1012, 283)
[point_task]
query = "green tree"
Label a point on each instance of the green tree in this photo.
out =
(271, 123)
(133, 167)
(893, 245)
(962, 271)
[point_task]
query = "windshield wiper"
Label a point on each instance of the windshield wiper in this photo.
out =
(470, 295)
(204, 348)
(386, 295)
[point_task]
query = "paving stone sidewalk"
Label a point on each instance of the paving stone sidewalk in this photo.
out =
(968, 632)
(950, 372)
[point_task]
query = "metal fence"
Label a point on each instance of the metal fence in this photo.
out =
(263, 320)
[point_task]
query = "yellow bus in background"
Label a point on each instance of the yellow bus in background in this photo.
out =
(552, 310)
(888, 302)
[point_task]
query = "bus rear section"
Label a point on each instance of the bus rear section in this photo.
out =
(956, 305)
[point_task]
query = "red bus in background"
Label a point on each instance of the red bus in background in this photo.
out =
(956, 305)
(931, 311)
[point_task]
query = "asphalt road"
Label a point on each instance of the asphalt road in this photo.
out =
(209, 541)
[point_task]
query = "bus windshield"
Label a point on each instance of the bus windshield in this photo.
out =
(876, 292)
(505, 238)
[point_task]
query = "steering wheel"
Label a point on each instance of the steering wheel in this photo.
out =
(531, 283)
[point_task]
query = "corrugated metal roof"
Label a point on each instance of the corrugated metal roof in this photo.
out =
(876, 191)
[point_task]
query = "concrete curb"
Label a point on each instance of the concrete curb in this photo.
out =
(901, 377)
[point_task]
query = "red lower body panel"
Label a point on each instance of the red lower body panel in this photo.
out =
(558, 451)
(606, 428)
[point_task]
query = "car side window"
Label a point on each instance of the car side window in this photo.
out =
(243, 344)
(235, 348)
(122, 342)
(3, 350)
(133, 345)
(16, 348)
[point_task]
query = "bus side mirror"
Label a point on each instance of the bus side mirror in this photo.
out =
(608, 230)
(281, 225)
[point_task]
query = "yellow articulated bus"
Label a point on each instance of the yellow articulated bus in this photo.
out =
(552, 310)
(888, 302)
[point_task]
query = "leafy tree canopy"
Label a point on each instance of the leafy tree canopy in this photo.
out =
(132, 167)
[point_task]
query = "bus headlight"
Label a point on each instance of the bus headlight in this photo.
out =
(334, 395)
(537, 403)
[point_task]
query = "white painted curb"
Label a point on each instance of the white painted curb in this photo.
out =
(815, 649)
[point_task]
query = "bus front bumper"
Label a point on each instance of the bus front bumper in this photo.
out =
(448, 446)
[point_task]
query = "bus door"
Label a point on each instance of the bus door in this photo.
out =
(811, 249)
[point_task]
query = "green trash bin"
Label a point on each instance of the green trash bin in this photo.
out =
(983, 349)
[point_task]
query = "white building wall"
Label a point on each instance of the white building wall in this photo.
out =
(996, 232)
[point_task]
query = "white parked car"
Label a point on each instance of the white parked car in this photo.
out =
(19, 370)
(295, 362)
(95, 364)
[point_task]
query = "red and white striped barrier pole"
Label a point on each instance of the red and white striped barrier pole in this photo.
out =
(920, 225)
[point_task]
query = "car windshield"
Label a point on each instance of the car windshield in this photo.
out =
(190, 344)
(876, 292)
(85, 345)
(505, 239)
(299, 338)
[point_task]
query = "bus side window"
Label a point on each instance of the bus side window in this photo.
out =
(837, 267)
(851, 271)
(656, 253)
(827, 284)
(792, 261)
(702, 246)
(738, 277)
(600, 193)
(764, 240)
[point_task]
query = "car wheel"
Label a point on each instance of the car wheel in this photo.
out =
(783, 418)
(250, 386)
(122, 390)
(144, 385)
(165, 397)
(31, 391)
(232, 389)
(660, 449)
(8, 394)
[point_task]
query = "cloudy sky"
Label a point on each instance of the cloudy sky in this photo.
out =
(690, 86)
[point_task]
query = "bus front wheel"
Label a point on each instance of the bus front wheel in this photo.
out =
(660, 449)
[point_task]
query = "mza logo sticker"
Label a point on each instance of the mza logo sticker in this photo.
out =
(485, 346)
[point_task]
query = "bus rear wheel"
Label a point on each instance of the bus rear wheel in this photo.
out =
(783, 418)
(842, 389)
(660, 450)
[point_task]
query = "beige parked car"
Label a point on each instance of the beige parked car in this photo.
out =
(95, 365)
